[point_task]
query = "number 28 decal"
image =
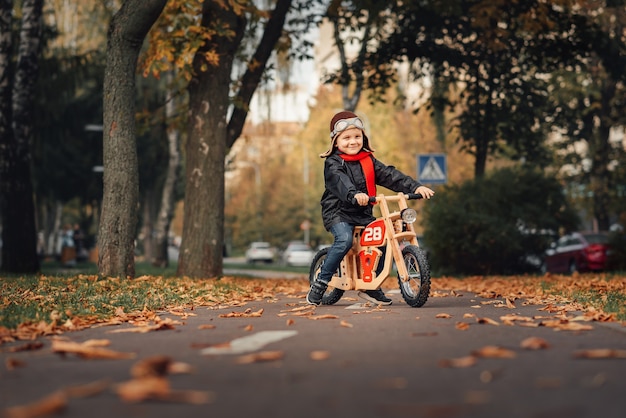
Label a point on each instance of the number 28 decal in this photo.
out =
(374, 233)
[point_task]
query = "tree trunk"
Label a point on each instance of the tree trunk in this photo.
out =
(118, 221)
(203, 224)
(202, 246)
(19, 234)
(166, 211)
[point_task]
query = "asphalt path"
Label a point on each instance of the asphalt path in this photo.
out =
(346, 360)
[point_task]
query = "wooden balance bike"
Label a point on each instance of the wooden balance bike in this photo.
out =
(392, 231)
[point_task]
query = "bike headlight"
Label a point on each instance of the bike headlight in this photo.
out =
(408, 215)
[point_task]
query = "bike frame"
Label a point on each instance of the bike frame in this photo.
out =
(358, 267)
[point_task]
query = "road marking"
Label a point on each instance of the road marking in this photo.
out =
(250, 343)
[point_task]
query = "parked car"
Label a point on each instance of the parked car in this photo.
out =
(260, 251)
(578, 251)
(298, 254)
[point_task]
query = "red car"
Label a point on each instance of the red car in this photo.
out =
(578, 251)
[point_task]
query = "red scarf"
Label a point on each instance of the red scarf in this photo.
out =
(364, 157)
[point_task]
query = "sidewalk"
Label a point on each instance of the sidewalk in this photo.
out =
(458, 356)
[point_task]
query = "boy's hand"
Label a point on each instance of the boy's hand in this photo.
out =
(362, 199)
(425, 192)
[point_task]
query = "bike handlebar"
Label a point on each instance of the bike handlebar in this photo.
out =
(408, 196)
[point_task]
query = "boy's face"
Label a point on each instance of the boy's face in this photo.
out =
(350, 141)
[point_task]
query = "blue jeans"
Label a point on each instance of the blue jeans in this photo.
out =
(343, 233)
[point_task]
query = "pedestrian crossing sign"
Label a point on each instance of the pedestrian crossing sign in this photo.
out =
(432, 169)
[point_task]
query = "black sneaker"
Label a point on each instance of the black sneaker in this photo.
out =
(375, 296)
(314, 297)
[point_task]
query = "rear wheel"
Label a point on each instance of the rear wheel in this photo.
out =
(332, 295)
(416, 289)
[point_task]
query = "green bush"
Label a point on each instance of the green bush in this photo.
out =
(498, 224)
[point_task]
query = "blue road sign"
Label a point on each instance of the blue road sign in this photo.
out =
(432, 169)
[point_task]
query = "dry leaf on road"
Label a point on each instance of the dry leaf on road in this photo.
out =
(48, 405)
(85, 350)
(493, 351)
(462, 326)
(259, 357)
(600, 353)
(461, 362)
(245, 314)
(486, 321)
(534, 343)
(327, 316)
(320, 355)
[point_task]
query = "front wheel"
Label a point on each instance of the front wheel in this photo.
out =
(416, 289)
(332, 295)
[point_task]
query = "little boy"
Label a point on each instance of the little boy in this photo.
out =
(351, 174)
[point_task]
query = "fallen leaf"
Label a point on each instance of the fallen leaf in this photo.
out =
(262, 356)
(462, 326)
(487, 321)
(13, 363)
(492, 351)
(96, 343)
(87, 351)
(144, 329)
(48, 405)
(461, 362)
(290, 322)
(346, 324)
(147, 387)
(87, 390)
(534, 343)
(36, 345)
(248, 328)
(151, 366)
(206, 326)
(443, 315)
(245, 314)
(327, 316)
(320, 355)
(600, 353)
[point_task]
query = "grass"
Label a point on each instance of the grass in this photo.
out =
(65, 292)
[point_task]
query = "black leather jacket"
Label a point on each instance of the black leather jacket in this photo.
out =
(344, 179)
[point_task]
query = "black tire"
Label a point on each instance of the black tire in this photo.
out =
(573, 268)
(415, 291)
(332, 295)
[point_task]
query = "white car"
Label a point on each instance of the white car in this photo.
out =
(260, 251)
(298, 254)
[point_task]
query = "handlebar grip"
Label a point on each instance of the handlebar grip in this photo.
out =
(414, 196)
(372, 199)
